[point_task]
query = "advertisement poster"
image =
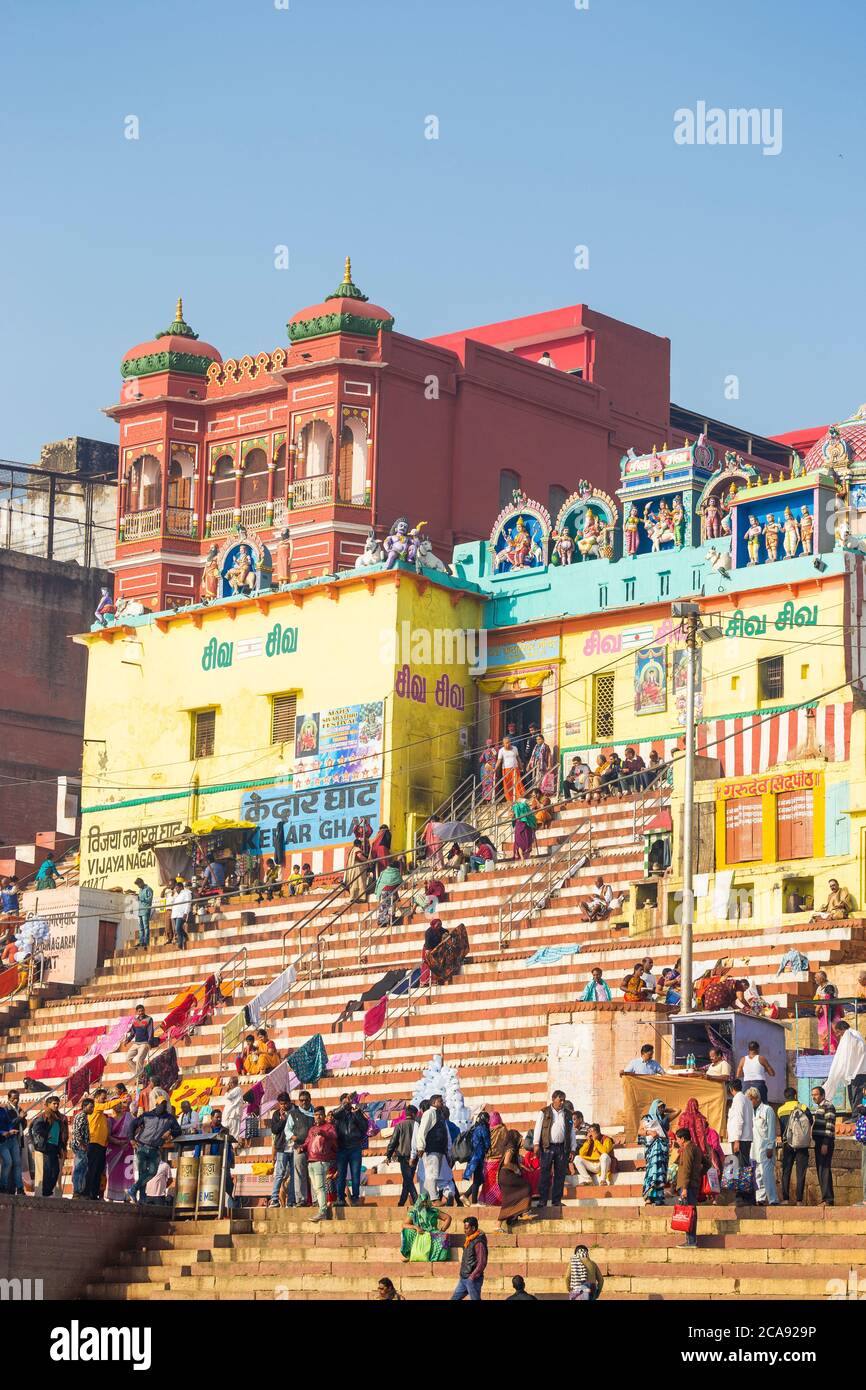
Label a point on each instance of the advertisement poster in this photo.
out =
(679, 677)
(650, 681)
(339, 746)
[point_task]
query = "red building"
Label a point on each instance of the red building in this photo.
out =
(352, 424)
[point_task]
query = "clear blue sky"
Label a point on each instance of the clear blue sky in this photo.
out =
(261, 126)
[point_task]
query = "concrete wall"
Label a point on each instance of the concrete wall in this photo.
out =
(66, 1244)
(590, 1044)
(42, 602)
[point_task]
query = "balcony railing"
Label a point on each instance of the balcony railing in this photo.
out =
(312, 492)
(254, 515)
(140, 526)
(179, 521)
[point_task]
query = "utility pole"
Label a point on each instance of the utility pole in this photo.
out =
(690, 614)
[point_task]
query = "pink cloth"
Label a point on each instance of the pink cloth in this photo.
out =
(374, 1019)
(343, 1061)
(282, 1078)
(111, 1040)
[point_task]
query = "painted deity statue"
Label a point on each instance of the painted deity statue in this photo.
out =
(591, 535)
(210, 578)
(105, 607)
(660, 529)
(712, 520)
(563, 547)
(753, 539)
(397, 543)
(632, 531)
(791, 528)
(772, 531)
(282, 557)
(518, 548)
(806, 529)
(240, 577)
(678, 522)
(373, 552)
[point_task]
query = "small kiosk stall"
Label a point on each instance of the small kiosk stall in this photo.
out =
(235, 844)
(731, 1031)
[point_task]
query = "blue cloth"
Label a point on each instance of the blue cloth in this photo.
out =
(480, 1145)
(310, 1062)
(594, 992)
(549, 955)
(9, 900)
(409, 981)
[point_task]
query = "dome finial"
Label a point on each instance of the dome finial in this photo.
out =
(348, 290)
(178, 329)
(178, 313)
(347, 271)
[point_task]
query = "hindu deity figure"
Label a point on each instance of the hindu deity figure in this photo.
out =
(772, 531)
(806, 529)
(791, 528)
(591, 534)
(105, 607)
(373, 552)
(632, 531)
(663, 531)
(678, 522)
(563, 547)
(210, 577)
(241, 577)
(397, 542)
(518, 546)
(712, 519)
(753, 539)
(282, 557)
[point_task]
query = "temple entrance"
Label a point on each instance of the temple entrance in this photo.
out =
(520, 710)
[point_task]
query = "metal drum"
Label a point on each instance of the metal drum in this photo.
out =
(187, 1178)
(209, 1181)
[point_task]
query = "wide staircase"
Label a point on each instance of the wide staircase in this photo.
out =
(490, 1023)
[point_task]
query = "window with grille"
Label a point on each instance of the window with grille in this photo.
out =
(743, 830)
(602, 707)
(283, 709)
(794, 825)
(203, 729)
(771, 677)
(664, 583)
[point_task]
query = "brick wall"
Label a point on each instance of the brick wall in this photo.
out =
(65, 1243)
(42, 602)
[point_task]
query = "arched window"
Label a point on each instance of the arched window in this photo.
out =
(315, 450)
(223, 489)
(180, 472)
(509, 482)
(556, 496)
(145, 484)
(353, 461)
(254, 479)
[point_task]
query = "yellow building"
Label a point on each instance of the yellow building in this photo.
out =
(309, 705)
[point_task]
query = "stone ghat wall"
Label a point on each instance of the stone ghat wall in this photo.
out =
(64, 1244)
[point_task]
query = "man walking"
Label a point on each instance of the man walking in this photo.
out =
(284, 1170)
(473, 1262)
(796, 1123)
(320, 1146)
(148, 1135)
(145, 908)
(400, 1147)
(824, 1139)
(351, 1125)
(553, 1141)
(690, 1172)
(433, 1144)
(141, 1037)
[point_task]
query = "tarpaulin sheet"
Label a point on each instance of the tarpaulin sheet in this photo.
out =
(639, 1092)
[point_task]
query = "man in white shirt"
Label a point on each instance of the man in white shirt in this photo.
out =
(432, 1143)
(181, 906)
(554, 1140)
(508, 761)
(718, 1067)
(740, 1123)
(577, 780)
(848, 1067)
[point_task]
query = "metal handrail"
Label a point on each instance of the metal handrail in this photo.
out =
(306, 917)
(535, 893)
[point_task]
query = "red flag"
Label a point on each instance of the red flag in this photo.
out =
(374, 1019)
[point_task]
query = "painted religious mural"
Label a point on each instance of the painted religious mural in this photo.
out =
(520, 536)
(586, 527)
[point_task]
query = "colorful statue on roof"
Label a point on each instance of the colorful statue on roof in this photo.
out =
(791, 528)
(209, 588)
(397, 543)
(772, 531)
(105, 607)
(373, 552)
(712, 519)
(283, 557)
(632, 530)
(678, 522)
(753, 535)
(806, 529)
(241, 577)
(563, 548)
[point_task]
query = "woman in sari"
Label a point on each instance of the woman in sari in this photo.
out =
(355, 877)
(380, 849)
(706, 1139)
(827, 1012)
(264, 1058)
(423, 1239)
(490, 1194)
(487, 771)
(513, 1185)
(654, 1132)
(524, 829)
(444, 951)
(633, 987)
(119, 1165)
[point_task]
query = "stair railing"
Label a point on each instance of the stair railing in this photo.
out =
(535, 892)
